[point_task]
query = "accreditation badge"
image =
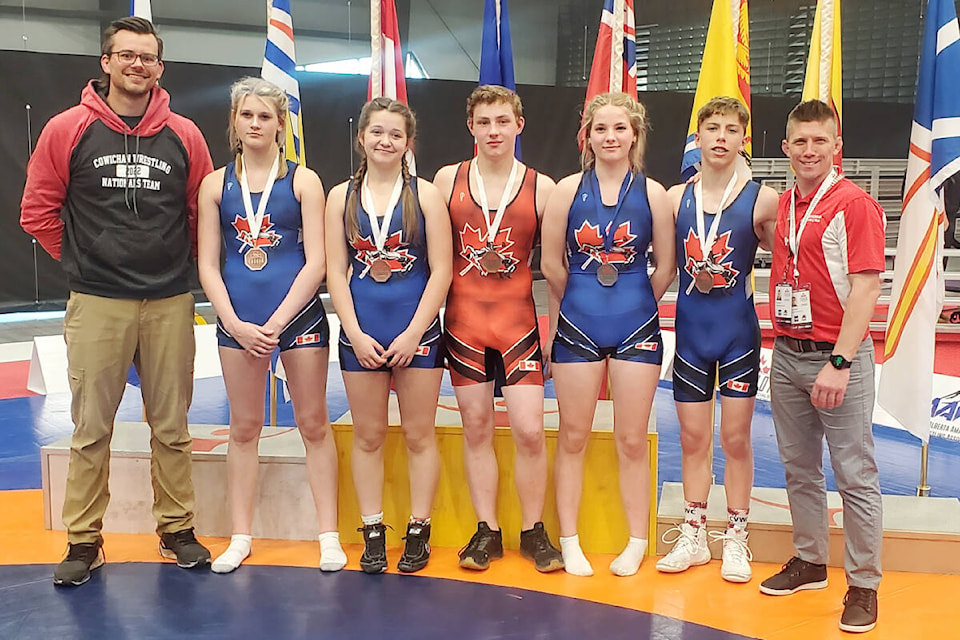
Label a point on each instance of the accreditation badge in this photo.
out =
(802, 316)
(783, 304)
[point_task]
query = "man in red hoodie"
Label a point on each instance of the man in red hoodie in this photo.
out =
(111, 192)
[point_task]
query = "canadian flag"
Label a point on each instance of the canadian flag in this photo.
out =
(646, 346)
(736, 385)
(309, 338)
(529, 365)
(422, 350)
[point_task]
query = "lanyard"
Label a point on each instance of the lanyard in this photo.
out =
(494, 225)
(793, 238)
(706, 244)
(380, 233)
(607, 230)
(255, 220)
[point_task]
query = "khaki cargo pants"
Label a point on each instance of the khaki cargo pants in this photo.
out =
(104, 336)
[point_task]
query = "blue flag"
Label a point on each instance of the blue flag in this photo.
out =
(496, 52)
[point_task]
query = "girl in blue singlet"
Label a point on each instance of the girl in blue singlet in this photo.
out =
(268, 216)
(389, 255)
(596, 231)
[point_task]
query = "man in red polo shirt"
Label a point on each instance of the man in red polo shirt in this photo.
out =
(824, 281)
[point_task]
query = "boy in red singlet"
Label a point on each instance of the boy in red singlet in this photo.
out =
(495, 206)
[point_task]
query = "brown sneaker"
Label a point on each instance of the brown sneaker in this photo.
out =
(859, 610)
(485, 545)
(81, 558)
(535, 545)
(796, 575)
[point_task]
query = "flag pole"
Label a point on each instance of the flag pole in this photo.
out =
(923, 489)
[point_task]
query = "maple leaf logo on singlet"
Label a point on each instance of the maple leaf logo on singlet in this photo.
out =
(267, 238)
(590, 242)
(395, 252)
(473, 245)
(724, 275)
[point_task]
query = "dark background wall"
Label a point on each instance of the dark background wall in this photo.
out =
(50, 83)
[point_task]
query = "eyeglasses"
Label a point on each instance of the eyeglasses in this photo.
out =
(129, 57)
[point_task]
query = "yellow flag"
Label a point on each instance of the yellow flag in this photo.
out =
(824, 76)
(724, 71)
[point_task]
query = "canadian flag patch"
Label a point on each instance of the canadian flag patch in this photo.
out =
(646, 346)
(308, 338)
(422, 350)
(736, 385)
(529, 365)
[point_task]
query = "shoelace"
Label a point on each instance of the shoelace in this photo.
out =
(682, 539)
(740, 549)
(482, 538)
(860, 597)
(542, 542)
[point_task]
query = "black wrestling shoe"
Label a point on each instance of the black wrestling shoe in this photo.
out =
(416, 551)
(374, 558)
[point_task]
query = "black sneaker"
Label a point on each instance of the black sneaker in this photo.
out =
(859, 610)
(81, 559)
(485, 545)
(374, 558)
(796, 575)
(183, 547)
(416, 551)
(535, 545)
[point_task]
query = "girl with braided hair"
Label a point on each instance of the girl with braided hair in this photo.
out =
(388, 270)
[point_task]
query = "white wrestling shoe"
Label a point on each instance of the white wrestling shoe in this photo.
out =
(689, 549)
(736, 555)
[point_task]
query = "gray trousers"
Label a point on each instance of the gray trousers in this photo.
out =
(801, 428)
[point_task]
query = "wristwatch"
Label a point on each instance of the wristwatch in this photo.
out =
(839, 362)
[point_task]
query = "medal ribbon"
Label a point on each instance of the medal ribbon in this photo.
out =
(255, 220)
(706, 244)
(379, 232)
(494, 225)
(608, 230)
(793, 238)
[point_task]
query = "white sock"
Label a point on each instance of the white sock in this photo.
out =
(573, 559)
(332, 557)
(236, 553)
(376, 518)
(628, 562)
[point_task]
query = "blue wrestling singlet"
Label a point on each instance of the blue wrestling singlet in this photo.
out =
(385, 309)
(620, 320)
(719, 328)
(255, 295)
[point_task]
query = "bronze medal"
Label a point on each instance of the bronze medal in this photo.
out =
(255, 259)
(704, 281)
(380, 270)
(491, 261)
(607, 274)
